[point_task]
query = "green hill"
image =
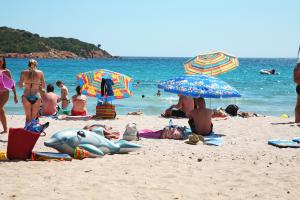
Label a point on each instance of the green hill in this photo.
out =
(20, 41)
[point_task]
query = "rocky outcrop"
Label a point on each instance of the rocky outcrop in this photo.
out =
(57, 54)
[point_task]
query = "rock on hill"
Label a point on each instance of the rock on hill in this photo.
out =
(15, 43)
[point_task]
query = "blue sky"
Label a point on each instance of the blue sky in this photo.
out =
(256, 28)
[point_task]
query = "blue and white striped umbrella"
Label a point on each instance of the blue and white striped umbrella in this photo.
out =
(199, 86)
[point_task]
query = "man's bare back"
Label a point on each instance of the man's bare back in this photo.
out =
(187, 104)
(200, 118)
(202, 121)
(49, 101)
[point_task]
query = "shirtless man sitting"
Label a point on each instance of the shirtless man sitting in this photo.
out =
(49, 102)
(64, 94)
(200, 118)
(79, 103)
(185, 105)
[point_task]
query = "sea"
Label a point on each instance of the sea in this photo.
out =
(264, 94)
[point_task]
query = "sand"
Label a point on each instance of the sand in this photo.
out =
(245, 167)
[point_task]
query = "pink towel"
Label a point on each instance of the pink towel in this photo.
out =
(147, 133)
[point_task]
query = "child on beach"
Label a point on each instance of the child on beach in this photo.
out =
(65, 101)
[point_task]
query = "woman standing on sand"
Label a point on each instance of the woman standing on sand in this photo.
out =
(6, 84)
(33, 81)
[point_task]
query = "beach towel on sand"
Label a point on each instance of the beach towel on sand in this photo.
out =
(213, 139)
(297, 139)
(44, 156)
(284, 143)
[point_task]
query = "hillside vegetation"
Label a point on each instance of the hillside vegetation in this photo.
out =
(20, 41)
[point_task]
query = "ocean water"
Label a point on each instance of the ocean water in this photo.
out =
(265, 94)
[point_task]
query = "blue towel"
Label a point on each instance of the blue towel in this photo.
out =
(284, 143)
(213, 139)
(297, 139)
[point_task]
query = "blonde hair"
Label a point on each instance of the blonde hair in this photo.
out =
(32, 64)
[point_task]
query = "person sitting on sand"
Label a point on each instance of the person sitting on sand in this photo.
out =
(184, 106)
(49, 102)
(106, 131)
(200, 118)
(79, 103)
(65, 101)
(33, 82)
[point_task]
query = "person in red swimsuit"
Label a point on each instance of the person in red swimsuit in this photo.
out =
(79, 103)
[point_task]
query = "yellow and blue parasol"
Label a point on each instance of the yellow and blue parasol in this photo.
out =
(211, 63)
(90, 83)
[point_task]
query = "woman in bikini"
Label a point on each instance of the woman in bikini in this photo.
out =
(6, 84)
(79, 103)
(33, 81)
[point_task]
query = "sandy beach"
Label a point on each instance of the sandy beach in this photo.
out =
(244, 167)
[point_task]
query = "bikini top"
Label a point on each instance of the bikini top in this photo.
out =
(6, 83)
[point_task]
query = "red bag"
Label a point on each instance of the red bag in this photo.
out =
(20, 143)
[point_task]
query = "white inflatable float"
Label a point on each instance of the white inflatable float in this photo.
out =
(267, 72)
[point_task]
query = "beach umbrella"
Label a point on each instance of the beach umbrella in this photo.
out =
(90, 83)
(199, 86)
(211, 63)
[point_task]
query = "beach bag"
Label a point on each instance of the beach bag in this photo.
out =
(105, 111)
(232, 109)
(131, 132)
(20, 143)
(172, 132)
(35, 126)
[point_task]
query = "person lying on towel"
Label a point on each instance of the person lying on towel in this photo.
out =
(200, 118)
(79, 103)
(184, 105)
(103, 130)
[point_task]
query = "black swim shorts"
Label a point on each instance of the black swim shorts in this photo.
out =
(178, 113)
(193, 127)
(298, 89)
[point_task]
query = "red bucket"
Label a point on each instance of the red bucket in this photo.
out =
(20, 143)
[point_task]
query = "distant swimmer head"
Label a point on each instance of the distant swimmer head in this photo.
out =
(272, 71)
(32, 64)
(2, 63)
